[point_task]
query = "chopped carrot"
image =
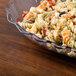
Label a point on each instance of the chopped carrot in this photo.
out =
(66, 31)
(41, 6)
(69, 21)
(52, 15)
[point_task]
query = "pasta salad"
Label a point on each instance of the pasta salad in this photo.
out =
(54, 21)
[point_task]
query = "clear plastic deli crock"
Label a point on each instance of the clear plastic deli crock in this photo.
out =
(14, 12)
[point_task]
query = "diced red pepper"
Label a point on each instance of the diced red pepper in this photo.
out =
(24, 14)
(72, 17)
(44, 32)
(50, 1)
(30, 19)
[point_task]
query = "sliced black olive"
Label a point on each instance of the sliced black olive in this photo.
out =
(61, 13)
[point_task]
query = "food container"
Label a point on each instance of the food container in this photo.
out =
(14, 12)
